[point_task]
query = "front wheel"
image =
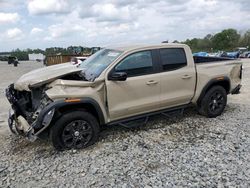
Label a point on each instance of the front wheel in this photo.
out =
(74, 130)
(214, 102)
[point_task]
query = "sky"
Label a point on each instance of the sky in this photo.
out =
(48, 23)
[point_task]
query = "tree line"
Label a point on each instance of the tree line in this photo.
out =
(71, 50)
(226, 40)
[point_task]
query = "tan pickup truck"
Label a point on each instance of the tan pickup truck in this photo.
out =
(123, 86)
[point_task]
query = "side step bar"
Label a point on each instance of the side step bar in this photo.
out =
(140, 120)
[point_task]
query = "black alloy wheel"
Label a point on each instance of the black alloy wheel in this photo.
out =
(74, 130)
(216, 102)
(213, 102)
(77, 134)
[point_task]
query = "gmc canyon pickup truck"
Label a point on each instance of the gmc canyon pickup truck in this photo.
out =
(69, 103)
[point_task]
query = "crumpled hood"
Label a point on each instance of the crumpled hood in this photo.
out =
(44, 75)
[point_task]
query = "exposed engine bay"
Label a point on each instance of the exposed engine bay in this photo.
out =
(26, 106)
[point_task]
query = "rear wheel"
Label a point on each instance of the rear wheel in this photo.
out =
(214, 102)
(75, 130)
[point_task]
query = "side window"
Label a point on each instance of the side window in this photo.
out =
(136, 64)
(173, 58)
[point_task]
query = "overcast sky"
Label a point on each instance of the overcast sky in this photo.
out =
(47, 23)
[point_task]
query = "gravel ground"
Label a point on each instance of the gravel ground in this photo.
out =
(183, 151)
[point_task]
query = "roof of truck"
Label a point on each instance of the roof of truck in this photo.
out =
(144, 46)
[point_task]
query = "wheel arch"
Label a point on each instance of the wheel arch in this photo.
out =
(61, 106)
(220, 81)
(89, 105)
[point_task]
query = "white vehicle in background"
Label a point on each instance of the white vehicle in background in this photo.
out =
(78, 60)
(245, 54)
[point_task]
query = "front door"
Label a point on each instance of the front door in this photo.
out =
(140, 92)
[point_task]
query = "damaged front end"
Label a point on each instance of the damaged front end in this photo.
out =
(26, 111)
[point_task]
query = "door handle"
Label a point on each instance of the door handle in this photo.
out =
(186, 76)
(152, 82)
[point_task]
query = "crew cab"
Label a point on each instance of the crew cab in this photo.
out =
(121, 86)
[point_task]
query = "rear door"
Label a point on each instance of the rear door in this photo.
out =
(140, 93)
(178, 77)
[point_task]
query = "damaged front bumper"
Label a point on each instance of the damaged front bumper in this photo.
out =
(23, 122)
(11, 120)
(20, 126)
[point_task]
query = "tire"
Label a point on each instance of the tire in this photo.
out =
(74, 130)
(214, 102)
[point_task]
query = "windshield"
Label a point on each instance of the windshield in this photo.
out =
(97, 63)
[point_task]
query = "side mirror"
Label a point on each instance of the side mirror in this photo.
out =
(118, 76)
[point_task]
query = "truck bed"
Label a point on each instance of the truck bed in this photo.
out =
(202, 59)
(223, 68)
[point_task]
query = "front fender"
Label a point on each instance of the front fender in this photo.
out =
(63, 103)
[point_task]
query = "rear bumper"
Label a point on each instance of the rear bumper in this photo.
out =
(236, 90)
